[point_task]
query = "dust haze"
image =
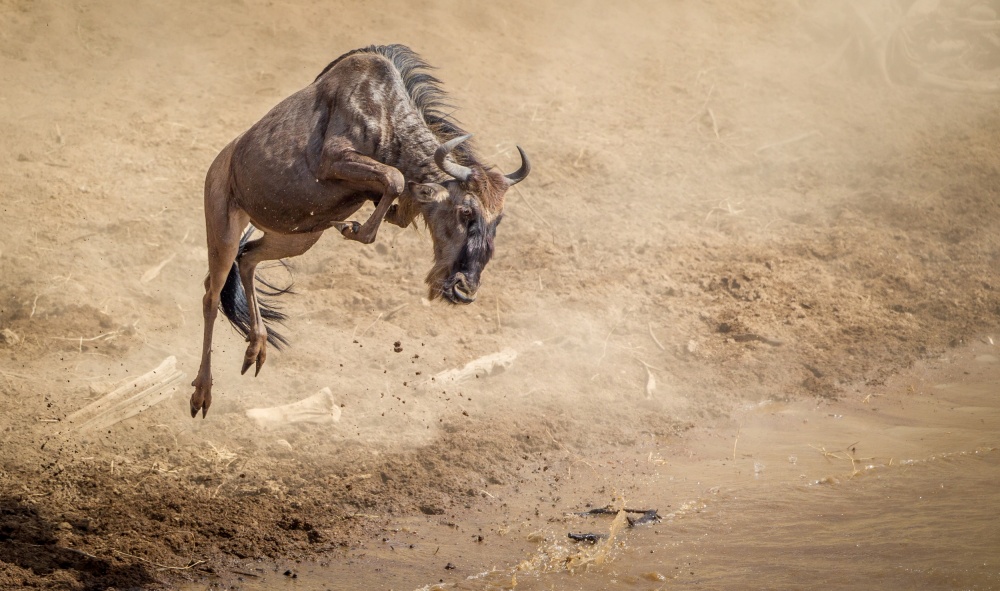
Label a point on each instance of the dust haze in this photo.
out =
(730, 202)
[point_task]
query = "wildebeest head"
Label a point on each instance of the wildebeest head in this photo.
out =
(462, 215)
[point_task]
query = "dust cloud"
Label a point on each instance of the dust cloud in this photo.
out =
(730, 203)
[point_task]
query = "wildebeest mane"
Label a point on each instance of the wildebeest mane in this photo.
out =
(425, 91)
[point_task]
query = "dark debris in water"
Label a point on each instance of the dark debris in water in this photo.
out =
(645, 516)
(592, 538)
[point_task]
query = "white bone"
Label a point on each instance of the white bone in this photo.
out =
(479, 367)
(130, 398)
(319, 408)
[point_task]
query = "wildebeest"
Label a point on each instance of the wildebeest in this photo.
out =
(370, 127)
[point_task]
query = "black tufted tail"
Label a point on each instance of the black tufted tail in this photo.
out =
(233, 301)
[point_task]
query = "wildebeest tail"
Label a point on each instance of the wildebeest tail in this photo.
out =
(233, 301)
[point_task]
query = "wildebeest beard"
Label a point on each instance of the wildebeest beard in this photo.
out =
(457, 278)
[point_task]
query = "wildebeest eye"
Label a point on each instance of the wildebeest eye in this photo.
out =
(465, 212)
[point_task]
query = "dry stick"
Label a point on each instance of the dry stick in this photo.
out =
(715, 126)
(193, 564)
(379, 317)
(497, 299)
(73, 550)
(738, 430)
(655, 340)
(608, 338)
(395, 310)
(785, 142)
(703, 106)
(16, 375)
(106, 335)
(524, 198)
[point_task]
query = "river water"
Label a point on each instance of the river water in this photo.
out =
(897, 490)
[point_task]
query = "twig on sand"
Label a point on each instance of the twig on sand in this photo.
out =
(847, 454)
(608, 338)
(193, 563)
(655, 340)
(785, 142)
(63, 548)
(106, 335)
(704, 105)
(377, 318)
(737, 440)
(395, 310)
(715, 126)
(524, 198)
(244, 573)
(153, 272)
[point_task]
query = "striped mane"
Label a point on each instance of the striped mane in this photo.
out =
(425, 91)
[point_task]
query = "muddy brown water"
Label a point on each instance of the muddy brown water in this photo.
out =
(895, 490)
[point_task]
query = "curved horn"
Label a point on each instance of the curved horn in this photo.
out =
(458, 171)
(519, 175)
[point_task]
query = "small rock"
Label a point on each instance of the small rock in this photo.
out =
(9, 337)
(449, 566)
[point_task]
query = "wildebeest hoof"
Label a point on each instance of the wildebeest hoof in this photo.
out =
(255, 355)
(201, 399)
(348, 229)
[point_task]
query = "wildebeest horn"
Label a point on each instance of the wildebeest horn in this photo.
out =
(458, 171)
(518, 175)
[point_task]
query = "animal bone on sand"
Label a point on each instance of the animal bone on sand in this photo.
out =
(318, 408)
(479, 367)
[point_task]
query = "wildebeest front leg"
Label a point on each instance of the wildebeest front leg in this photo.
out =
(224, 225)
(407, 209)
(370, 174)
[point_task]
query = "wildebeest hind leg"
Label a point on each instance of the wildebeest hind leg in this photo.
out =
(271, 246)
(223, 224)
(365, 172)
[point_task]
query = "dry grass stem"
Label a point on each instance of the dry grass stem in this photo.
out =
(785, 142)
(715, 125)
(193, 563)
(524, 198)
(737, 440)
(655, 340)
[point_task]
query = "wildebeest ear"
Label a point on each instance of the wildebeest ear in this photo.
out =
(427, 192)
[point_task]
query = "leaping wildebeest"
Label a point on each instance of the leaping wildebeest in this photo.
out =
(371, 127)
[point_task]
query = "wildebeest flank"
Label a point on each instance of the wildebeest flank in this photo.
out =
(370, 127)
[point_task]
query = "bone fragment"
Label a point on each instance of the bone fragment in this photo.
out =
(319, 409)
(130, 398)
(650, 382)
(479, 367)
